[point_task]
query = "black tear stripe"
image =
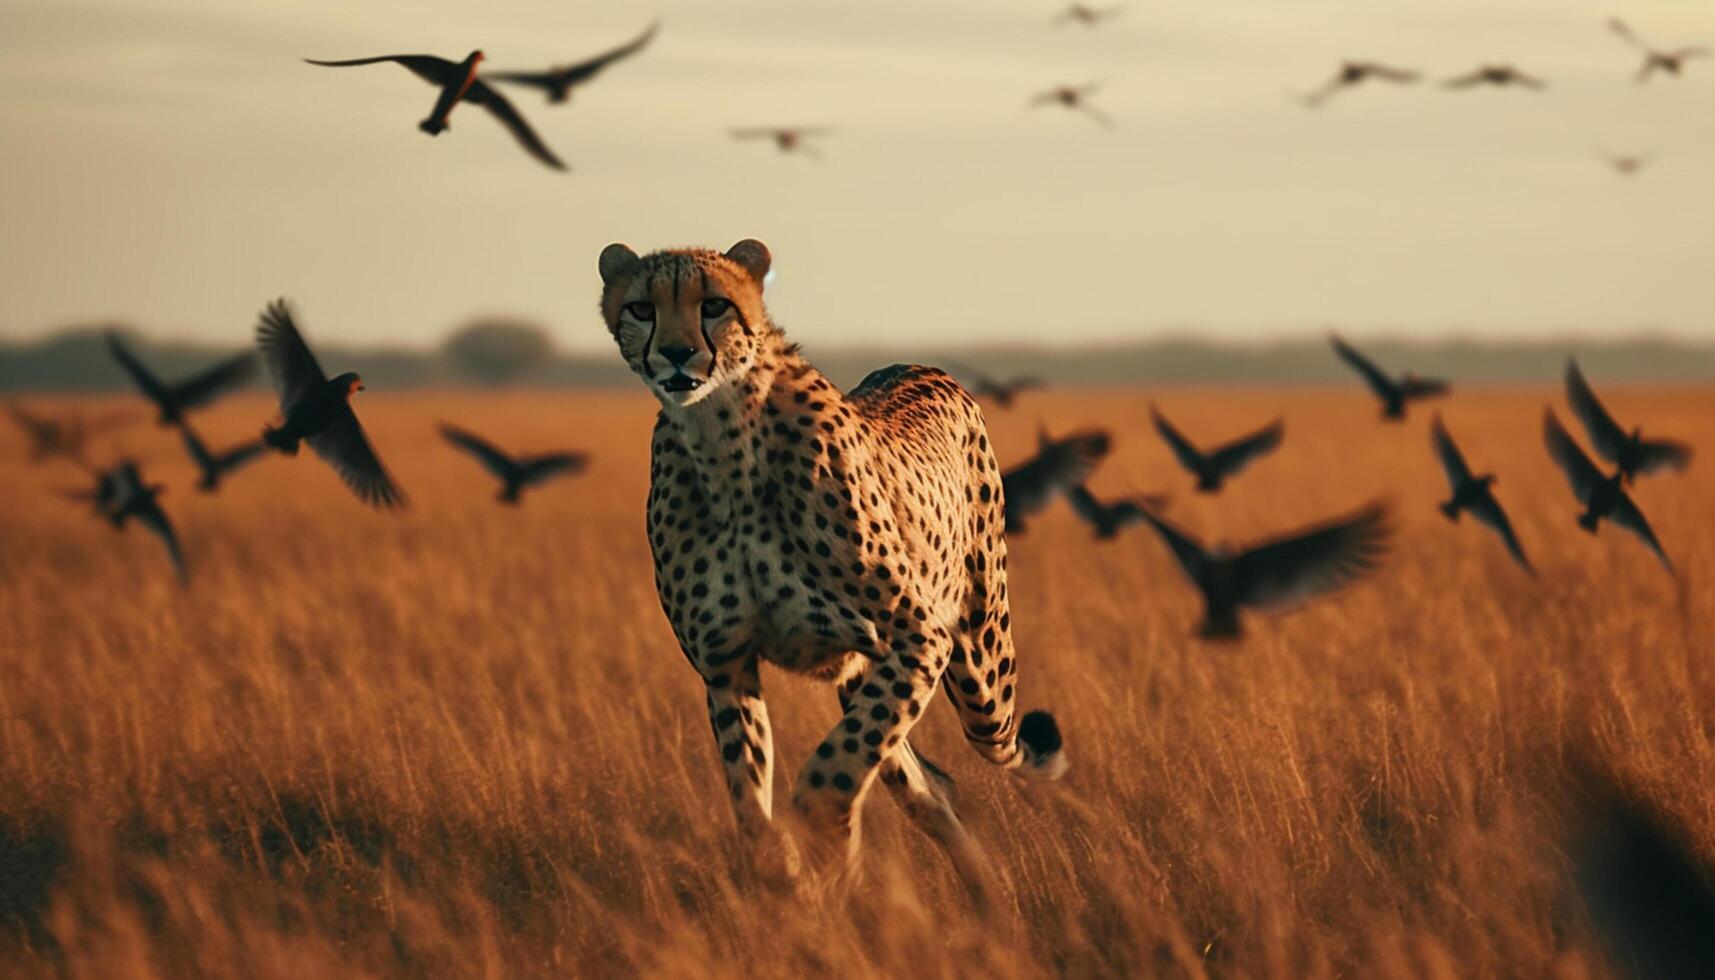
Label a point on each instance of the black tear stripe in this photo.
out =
(703, 323)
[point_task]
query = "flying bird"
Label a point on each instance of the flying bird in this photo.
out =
(104, 495)
(1666, 62)
(558, 82)
(174, 400)
(317, 410)
(1473, 494)
(1109, 519)
(1075, 98)
(1002, 391)
(215, 466)
(1083, 13)
(1499, 76)
(786, 138)
(1058, 466)
(1354, 73)
(458, 82)
(1625, 164)
(1215, 466)
(120, 495)
(515, 472)
(1632, 453)
(1395, 395)
(1601, 496)
(65, 436)
(1278, 573)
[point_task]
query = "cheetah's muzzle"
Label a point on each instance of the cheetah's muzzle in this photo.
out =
(681, 382)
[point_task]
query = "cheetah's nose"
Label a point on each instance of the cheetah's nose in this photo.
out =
(676, 356)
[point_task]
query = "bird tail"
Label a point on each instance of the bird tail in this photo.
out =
(280, 439)
(432, 126)
(1451, 510)
(1588, 521)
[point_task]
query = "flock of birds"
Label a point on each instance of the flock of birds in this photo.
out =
(315, 410)
(1295, 566)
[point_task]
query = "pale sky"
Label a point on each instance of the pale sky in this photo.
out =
(172, 164)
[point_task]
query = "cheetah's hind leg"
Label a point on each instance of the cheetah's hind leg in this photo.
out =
(928, 797)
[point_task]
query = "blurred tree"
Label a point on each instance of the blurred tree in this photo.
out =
(497, 351)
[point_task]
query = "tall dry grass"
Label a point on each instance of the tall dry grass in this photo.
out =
(461, 741)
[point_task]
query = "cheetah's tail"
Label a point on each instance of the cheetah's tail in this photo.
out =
(1041, 747)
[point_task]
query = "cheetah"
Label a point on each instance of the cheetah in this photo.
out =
(855, 537)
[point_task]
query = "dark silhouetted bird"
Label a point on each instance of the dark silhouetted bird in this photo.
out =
(1223, 461)
(1625, 164)
(1666, 62)
(1058, 466)
(1633, 454)
(173, 400)
(1075, 98)
(65, 437)
(1601, 496)
(1395, 395)
(558, 82)
(1278, 573)
(1500, 76)
(317, 410)
(457, 81)
(1083, 13)
(787, 138)
(104, 495)
(1354, 73)
(120, 494)
(1648, 893)
(1002, 391)
(1473, 494)
(1109, 519)
(515, 473)
(214, 466)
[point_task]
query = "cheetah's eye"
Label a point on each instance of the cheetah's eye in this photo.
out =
(715, 306)
(640, 311)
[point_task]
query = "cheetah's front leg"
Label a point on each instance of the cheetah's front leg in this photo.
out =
(739, 718)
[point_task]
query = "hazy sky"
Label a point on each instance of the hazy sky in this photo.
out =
(173, 164)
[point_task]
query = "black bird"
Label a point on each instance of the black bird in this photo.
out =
(1109, 519)
(1058, 466)
(1633, 454)
(1353, 73)
(786, 138)
(214, 466)
(558, 82)
(1395, 395)
(1083, 13)
(121, 494)
(1003, 391)
(515, 473)
(457, 81)
(1223, 461)
(1499, 76)
(199, 389)
(1602, 496)
(1648, 893)
(104, 496)
(1280, 572)
(1473, 494)
(66, 436)
(1667, 62)
(1075, 98)
(318, 410)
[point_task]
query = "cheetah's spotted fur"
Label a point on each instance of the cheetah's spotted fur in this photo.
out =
(856, 537)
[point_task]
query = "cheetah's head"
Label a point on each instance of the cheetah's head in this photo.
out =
(686, 320)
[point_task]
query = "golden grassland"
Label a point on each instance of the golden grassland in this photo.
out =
(461, 741)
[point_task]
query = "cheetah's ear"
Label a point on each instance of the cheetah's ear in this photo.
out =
(616, 260)
(753, 256)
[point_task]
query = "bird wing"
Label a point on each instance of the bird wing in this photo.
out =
(1057, 467)
(1316, 98)
(234, 458)
(1186, 549)
(1580, 472)
(1381, 383)
(1239, 453)
(1451, 459)
(290, 363)
(1387, 73)
(752, 132)
(585, 70)
(146, 380)
(1624, 31)
(201, 388)
(1467, 80)
(35, 425)
(197, 449)
(1528, 81)
(1086, 506)
(344, 446)
(1317, 560)
(1098, 115)
(1187, 454)
(539, 468)
(1682, 53)
(1605, 433)
(1488, 510)
(1415, 387)
(155, 519)
(435, 71)
(1663, 454)
(1627, 515)
(489, 98)
(486, 453)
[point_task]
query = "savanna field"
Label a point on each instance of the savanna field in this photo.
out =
(461, 741)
